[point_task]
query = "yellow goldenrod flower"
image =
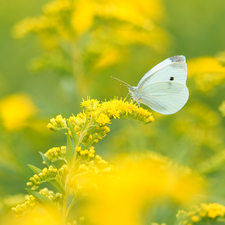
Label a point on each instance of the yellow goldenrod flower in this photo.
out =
(78, 149)
(119, 109)
(90, 125)
(103, 119)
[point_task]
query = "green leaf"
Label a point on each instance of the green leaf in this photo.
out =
(57, 186)
(46, 203)
(69, 150)
(46, 160)
(73, 133)
(71, 201)
(35, 169)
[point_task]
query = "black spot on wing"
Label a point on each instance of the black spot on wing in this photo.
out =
(171, 78)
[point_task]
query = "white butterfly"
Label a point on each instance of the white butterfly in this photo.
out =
(163, 88)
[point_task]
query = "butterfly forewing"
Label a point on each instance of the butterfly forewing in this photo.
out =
(172, 69)
(164, 97)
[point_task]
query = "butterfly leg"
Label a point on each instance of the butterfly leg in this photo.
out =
(126, 96)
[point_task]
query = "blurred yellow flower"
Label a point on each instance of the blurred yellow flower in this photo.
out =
(142, 183)
(15, 110)
(95, 34)
(207, 72)
(83, 16)
(108, 57)
(35, 218)
(103, 25)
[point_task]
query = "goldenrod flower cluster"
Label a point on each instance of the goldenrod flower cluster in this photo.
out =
(202, 213)
(57, 123)
(56, 153)
(91, 124)
(63, 170)
(79, 160)
(32, 203)
(105, 111)
(46, 174)
(92, 163)
(68, 19)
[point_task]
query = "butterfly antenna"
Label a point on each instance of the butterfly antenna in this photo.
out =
(122, 89)
(121, 81)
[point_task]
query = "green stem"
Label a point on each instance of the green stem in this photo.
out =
(71, 205)
(70, 176)
(64, 214)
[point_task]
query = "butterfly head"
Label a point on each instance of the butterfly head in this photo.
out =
(132, 89)
(132, 92)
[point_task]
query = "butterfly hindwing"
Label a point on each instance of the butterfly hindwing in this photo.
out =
(164, 97)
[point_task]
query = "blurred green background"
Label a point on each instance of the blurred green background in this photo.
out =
(194, 136)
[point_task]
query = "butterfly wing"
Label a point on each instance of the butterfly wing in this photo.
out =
(173, 68)
(163, 97)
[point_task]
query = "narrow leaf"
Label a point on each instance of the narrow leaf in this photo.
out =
(69, 150)
(35, 169)
(73, 133)
(46, 160)
(57, 186)
(46, 203)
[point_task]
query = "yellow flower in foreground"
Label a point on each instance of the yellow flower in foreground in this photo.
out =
(141, 184)
(15, 110)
